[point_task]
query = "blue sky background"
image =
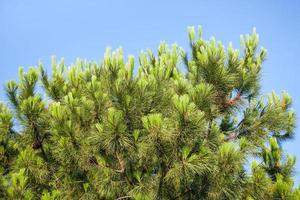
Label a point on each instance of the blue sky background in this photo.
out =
(34, 30)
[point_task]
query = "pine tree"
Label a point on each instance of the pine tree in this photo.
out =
(183, 125)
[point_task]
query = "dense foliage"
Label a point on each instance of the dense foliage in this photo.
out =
(181, 126)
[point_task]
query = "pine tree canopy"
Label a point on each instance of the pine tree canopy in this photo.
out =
(182, 125)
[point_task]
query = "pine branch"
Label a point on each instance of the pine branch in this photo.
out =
(124, 197)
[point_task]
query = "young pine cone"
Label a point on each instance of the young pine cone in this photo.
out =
(36, 145)
(93, 160)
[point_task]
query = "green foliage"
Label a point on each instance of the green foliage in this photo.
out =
(107, 131)
(17, 186)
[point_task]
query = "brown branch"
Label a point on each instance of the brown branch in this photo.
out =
(234, 101)
(231, 137)
(125, 197)
(121, 163)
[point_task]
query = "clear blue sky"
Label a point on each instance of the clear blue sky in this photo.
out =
(34, 30)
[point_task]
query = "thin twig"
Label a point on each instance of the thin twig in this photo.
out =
(125, 197)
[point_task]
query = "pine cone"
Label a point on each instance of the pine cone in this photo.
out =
(93, 160)
(36, 145)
